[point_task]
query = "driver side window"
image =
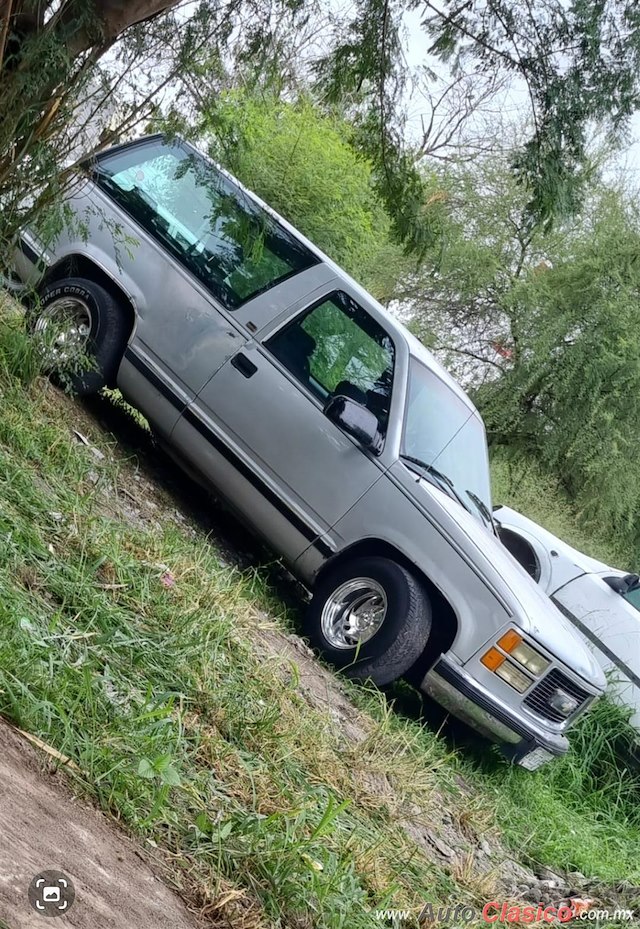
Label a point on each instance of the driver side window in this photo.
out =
(337, 349)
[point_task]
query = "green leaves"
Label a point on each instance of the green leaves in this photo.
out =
(580, 64)
(304, 164)
(572, 400)
(146, 769)
(368, 69)
(545, 328)
(205, 829)
(161, 768)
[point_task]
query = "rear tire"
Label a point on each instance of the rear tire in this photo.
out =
(80, 316)
(370, 617)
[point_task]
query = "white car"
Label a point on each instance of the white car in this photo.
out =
(603, 603)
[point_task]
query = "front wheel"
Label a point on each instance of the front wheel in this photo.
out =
(371, 617)
(83, 332)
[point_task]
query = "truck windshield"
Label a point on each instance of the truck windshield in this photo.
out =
(208, 223)
(444, 433)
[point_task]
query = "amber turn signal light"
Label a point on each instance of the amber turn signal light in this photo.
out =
(509, 640)
(492, 659)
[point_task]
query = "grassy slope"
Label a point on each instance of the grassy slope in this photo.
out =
(134, 649)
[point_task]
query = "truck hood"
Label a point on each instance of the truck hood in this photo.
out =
(533, 611)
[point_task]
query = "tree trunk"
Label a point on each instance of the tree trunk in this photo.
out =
(77, 26)
(111, 19)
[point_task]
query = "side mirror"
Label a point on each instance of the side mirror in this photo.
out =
(623, 585)
(356, 420)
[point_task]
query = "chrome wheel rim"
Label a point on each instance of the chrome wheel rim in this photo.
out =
(64, 326)
(354, 613)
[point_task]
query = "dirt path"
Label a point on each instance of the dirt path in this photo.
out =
(42, 827)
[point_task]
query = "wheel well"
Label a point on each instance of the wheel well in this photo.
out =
(81, 266)
(522, 551)
(445, 622)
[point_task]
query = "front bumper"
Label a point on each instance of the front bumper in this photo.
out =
(522, 741)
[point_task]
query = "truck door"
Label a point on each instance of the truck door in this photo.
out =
(258, 429)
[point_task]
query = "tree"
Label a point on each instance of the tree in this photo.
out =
(45, 50)
(70, 29)
(544, 329)
(463, 300)
(571, 397)
(75, 75)
(301, 162)
(579, 62)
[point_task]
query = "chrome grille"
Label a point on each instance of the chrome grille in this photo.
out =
(538, 698)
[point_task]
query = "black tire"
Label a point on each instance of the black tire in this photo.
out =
(107, 337)
(401, 639)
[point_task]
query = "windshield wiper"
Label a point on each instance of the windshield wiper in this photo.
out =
(439, 478)
(483, 509)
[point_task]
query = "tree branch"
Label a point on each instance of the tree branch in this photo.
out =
(5, 18)
(103, 21)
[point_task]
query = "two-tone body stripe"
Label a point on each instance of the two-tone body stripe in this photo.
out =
(160, 385)
(593, 638)
(299, 524)
(31, 254)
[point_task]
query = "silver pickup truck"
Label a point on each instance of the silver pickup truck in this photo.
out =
(278, 381)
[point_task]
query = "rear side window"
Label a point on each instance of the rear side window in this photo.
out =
(205, 220)
(633, 597)
(335, 348)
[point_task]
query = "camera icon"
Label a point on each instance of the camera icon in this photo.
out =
(51, 893)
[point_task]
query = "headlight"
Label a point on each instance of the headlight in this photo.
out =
(512, 675)
(512, 643)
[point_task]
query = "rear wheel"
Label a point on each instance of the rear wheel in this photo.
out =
(370, 617)
(83, 331)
